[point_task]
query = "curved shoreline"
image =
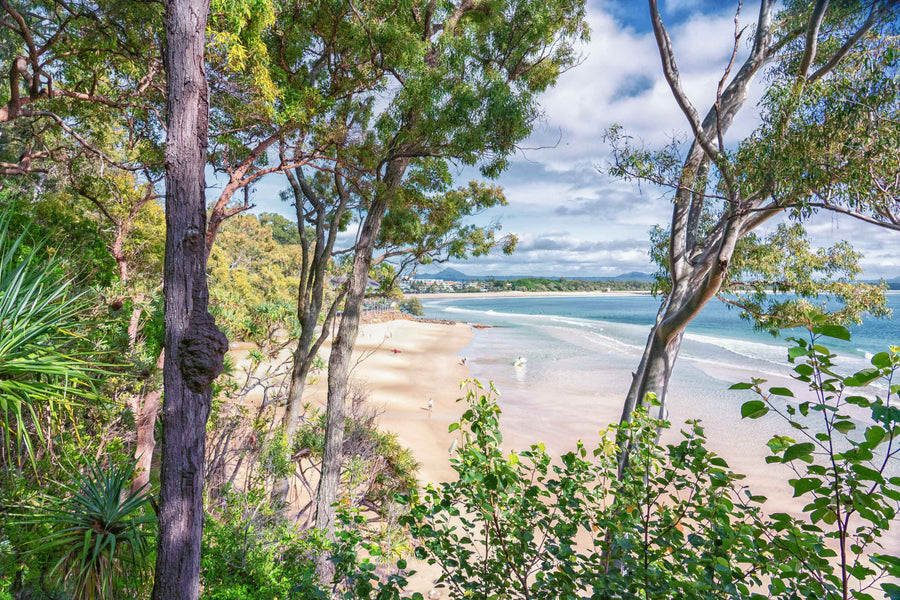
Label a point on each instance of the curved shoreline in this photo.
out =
(475, 295)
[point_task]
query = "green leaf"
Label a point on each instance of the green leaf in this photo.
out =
(863, 378)
(781, 391)
(804, 369)
(844, 426)
(891, 590)
(753, 409)
(802, 451)
(866, 474)
(882, 360)
(797, 351)
(834, 331)
(741, 386)
(804, 485)
(453, 427)
(874, 435)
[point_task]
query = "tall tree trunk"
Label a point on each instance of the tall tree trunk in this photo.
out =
(310, 296)
(194, 345)
(342, 349)
(693, 286)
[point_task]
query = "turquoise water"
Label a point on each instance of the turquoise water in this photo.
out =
(581, 350)
(580, 354)
(717, 333)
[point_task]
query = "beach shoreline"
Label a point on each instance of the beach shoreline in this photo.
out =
(511, 294)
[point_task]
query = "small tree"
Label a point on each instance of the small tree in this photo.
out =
(846, 476)
(413, 306)
(828, 141)
(464, 79)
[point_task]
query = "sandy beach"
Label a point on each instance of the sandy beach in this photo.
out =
(427, 367)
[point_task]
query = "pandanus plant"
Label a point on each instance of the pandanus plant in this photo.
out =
(41, 374)
(101, 531)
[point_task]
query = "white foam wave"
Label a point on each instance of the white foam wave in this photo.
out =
(756, 350)
(493, 313)
(609, 341)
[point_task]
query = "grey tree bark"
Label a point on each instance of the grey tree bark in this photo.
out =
(311, 293)
(342, 347)
(194, 347)
(698, 263)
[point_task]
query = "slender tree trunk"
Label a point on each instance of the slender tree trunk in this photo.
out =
(145, 420)
(692, 289)
(302, 363)
(653, 374)
(146, 410)
(342, 349)
(194, 345)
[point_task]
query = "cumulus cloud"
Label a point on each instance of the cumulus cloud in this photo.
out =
(570, 216)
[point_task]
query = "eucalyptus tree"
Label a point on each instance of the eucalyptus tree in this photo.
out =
(828, 140)
(462, 80)
(423, 229)
(67, 61)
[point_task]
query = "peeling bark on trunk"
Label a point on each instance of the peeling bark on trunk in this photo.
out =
(194, 346)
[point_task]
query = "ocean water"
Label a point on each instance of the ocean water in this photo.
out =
(581, 351)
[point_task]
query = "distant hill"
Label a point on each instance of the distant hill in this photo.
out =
(447, 274)
(630, 276)
(450, 274)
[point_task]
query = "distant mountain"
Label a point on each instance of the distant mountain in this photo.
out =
(631, 276)
(450, 274)
(447, 274)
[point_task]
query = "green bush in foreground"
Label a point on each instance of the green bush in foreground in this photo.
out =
(843, 461)
(678, 524)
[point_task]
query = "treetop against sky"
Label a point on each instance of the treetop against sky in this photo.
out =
(571, 218)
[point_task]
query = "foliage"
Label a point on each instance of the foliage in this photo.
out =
(844, 463)
(677, 524)
(376, 468)
(283, 230)
(101, 531)
(253, 279)
(252, 553)
(413, 306)
(778, 280)
(41, 372)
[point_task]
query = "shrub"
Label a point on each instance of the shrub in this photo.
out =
(101, 534)
(520, 525)
(251, 553)
(677, 523)
(843, 463)
(413, 306)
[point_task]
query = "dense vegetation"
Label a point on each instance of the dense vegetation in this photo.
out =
(157, 336)
(532, 284)
(565, 284)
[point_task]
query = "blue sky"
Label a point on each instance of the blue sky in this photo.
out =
(571, 219)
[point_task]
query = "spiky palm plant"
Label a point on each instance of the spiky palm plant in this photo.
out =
(101, 532)
(39, 371)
